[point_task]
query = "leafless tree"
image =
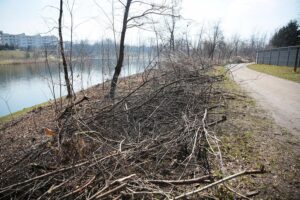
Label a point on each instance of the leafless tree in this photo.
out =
(111, 20)
(136, 20)
(235, 44)
(156, 42)
(61, 43)
(198, 47)
(171, 22)
(70, 8)
(248, 48)
(187, 41)
(213, 40)
(51, 84)
(121, 51)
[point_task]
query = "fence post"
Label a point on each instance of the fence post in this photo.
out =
(256, 60)
(288, 58)
(263, 56)
(278, 57)
(296, 61)
(270, 57)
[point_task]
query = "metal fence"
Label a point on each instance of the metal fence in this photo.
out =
(284, 56)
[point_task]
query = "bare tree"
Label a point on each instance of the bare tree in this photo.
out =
(121, 51)
(171, 25)
(61, 43)
(70, 8)
(111, 20)
(172, 29)
(199, 45)
(235, 42)
(214, 39)
(51, 85)
(138, 20)
(187, 41)
(157, 42)
(248, 48)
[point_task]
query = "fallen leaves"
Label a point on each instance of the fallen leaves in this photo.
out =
(48, 132)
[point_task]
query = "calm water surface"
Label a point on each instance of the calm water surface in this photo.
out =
(23, 86)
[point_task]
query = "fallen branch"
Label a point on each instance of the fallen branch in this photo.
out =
(79, 189)
(237, 193)
(243, 173)
(101, 196)
(71, 106)
(203, 179)
(53, 172)
(100, 193)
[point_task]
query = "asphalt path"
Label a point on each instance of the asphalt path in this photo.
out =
(279, 96)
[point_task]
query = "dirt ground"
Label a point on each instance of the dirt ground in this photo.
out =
(23, 134)
(249, 139)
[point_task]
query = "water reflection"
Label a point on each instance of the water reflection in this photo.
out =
(23, 86)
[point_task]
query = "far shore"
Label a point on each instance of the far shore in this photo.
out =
(30, 61)
(26, 61)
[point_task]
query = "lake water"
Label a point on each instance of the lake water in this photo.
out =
(23, 86)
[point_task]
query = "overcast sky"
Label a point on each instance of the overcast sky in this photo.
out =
(242, 17)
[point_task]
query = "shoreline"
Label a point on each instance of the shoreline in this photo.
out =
(22, 62)
(32, 61)
(19, 113)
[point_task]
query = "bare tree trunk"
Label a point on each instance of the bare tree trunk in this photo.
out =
(172, 39)
(157, 43)
(187, 41)
(51, 84)
(62, 51)
(121, 52)
(114, 29)
(214, 41)
(174, 11)
(70, 9)
(211, 52)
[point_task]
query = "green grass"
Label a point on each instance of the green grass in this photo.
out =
(228, 83)
(19, 113)
(279, 71)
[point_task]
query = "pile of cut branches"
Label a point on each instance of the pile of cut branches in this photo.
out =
(153, 141)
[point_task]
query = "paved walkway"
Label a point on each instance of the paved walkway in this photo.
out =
(281, 97)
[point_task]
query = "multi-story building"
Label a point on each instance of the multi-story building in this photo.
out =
(25, 41)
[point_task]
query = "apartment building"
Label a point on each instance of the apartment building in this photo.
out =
(25, 41)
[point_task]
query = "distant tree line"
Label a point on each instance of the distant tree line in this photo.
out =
(7, 47)
(288, 35)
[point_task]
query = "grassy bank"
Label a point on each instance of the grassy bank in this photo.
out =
(16, 57)
(13, 54)
(23, 61)
(278, 71)
(10, 57)
(19, 113)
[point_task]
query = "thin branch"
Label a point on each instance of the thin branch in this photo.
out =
(242, 173)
